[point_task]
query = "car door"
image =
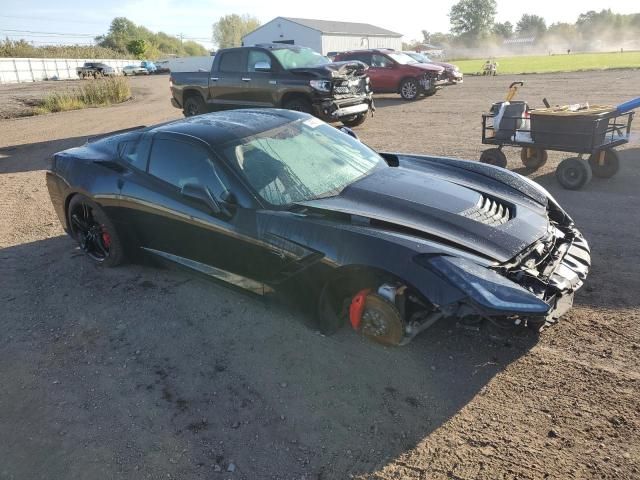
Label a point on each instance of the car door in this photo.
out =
(260, 82)
(227, 83)
(180, 228)
(383, 74)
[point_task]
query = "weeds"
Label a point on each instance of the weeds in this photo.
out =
(96, 93)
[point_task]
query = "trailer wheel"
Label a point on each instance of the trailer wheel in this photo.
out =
(533, 158)
(573, 173)
(494, 156)
(606, 167)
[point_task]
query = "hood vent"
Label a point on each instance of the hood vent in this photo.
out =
(489, 211)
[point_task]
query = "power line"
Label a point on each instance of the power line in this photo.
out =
(50, 33)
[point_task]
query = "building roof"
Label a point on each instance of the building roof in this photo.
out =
(348, 28)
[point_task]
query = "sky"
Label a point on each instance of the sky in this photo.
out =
(72, 21)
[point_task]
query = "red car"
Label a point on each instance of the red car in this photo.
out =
(395, 72)
(452, 74)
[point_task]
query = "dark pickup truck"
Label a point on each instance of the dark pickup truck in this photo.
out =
(277, 75)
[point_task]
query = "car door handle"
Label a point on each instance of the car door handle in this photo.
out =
(245, 79)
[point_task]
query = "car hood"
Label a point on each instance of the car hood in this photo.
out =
(333, 70)
(427, 66)
(422, 205)
(446, 66)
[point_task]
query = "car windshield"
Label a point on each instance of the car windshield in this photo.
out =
(299, 58)
(300, 161)
(402, 58)
(419, 57)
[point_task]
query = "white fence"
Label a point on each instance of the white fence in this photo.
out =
(16, 70)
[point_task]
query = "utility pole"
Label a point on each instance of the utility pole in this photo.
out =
(181, 35)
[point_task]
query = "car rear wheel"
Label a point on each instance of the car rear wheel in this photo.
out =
(606, 167)
(533, 158)
(354, 121)
(299, 104)
(494, 156)
(409, 89)
(573, 173)
(94, 232)
(194, 105)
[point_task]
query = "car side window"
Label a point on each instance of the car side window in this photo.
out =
(232, 61)
(135, 152)
(255, 57)
(362, 57)
(178, 163)
(380, 61)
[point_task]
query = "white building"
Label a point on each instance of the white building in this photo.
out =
(324, 36)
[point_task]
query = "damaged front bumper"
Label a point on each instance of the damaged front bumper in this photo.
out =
(537, 286)
(332, 109)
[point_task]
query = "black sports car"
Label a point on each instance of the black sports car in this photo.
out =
(270, 198)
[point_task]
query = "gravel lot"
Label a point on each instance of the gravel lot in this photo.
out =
(138, 372)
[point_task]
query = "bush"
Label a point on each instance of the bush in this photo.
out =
(97, 93)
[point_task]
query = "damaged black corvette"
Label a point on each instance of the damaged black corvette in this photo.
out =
(263, 199)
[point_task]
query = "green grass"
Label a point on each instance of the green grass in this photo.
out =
(555, 63)
(95, 93)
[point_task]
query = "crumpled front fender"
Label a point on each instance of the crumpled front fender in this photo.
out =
(490, 291)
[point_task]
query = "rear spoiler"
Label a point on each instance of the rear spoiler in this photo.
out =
(115, 132)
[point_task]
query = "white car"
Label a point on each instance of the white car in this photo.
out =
(134, 70)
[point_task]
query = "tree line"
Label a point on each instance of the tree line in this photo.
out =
(124, 39)
(473, 24)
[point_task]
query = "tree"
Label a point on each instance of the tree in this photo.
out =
(124, 36)
(439, 39)
(504, 30)
(531, 25)
(472, 19)
(137, 48)
(229, 30)
(426, 36)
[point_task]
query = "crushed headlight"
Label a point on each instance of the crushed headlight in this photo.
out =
(320, 85)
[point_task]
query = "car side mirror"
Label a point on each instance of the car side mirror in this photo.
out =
(202, 194)
(262, 67)
(349, 132)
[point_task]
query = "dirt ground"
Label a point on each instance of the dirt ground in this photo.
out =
(138, 372)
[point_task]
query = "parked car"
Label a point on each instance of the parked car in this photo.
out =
(276, 75)
(95, 70)
(150, 66)
(134, 70)
(452, 74)
(162, 66)
(268, 199)
(396, 72)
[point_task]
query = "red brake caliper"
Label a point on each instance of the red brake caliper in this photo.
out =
(106, 238)
(357, 307)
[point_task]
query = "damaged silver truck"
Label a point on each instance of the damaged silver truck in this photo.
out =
(277, 75)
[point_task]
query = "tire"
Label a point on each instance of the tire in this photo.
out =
(494, 156)
(95, 233)
(533, 158)
(409, 89)
(298, 104)
(355, 121)
(573, 173)
(609, 166)
(194, 105)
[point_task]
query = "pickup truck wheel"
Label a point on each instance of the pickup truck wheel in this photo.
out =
(194, 105)
(409, 89)
(299, 104)
(354, 121)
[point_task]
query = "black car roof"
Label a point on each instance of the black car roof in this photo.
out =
(221, 127)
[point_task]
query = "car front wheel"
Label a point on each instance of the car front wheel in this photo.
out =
(354, 121)
(409, 89)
